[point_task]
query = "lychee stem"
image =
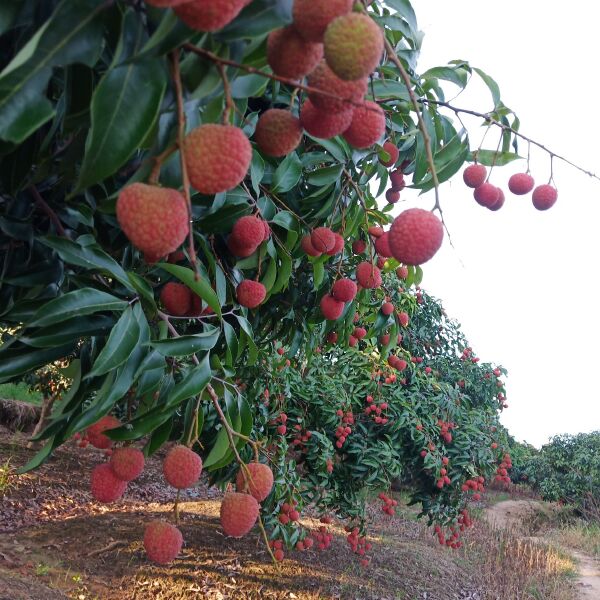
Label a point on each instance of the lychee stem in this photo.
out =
(176, 508)
(229, 105)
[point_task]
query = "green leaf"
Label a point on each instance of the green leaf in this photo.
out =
(220, 447)
(85, 301)
(192, 384)
(75, 329)
(187, 344)
(498, 159)
(455, 75)
(247, 86)
(325, 176)
(288, 174)
(491, 84)
(28, 361)
(124, 106)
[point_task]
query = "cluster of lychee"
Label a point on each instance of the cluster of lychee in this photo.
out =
(343, 430)
(179, 301)
(388, 504)
(358, 544)
(397, 363)
(475, 485)
(452, 539)
(502, 470)
(289, 512)
(376, 411)
(301, 438)
(445, 430)
(492, 197)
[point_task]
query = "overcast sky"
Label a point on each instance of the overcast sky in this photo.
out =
(525, 283)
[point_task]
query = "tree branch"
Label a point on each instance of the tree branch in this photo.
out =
(43, 205)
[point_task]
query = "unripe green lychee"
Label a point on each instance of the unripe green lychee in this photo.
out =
(238, 513)
(154, 219)
(324, 124)
(209, 15)
(311, 17)
(367, 126)
(324, 79)
(353, 46)
(162, 542)
(415, 236)
(258, 481)
(278, 132)
(176, 298)
(290, 55)
(217, 157)
(250, 293)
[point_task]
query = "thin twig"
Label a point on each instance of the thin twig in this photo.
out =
(43, 205)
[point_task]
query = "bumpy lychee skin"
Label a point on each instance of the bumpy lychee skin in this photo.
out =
(331, 308)
(311, 17)
(544, 197)
(474, 175)
(176, 298)
(397, 180)
(95, 435)
(250, 293)
(368, 275)
(259, 481)
(324, 124)
(278, 132)
(307, 246)
(486, 194)
(105, 485)
(499, 202)
(387, 308)
(162, 542)
(382, 245)
(393, 152)
(324, 79)
(127, 463)
(359, 246)
(392, 196)
(415, 236)
(367, 127)
(154, 219)
(290, 55)
(209, 15)
(217, 157)
(247, 233)
(323, 239)
(238, 513)
(353, 45)
(182, 467)
(344, 290)
(521, 183)
(338, 246)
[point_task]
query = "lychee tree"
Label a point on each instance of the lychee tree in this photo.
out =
(188, 187)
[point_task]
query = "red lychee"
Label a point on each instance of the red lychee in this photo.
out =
(166, 3)
(474, 175)
(324, 124)
(94, 432)
(258, 482)
(353, 45)
(182, 467)
(359, 246)
(290, 55)
(238, 513)
(324, 79)
(307, 246)
(154, 219)
(247, 234)
(382, 245)
(127, 463)
(217, 157)
(162, 542)
(344, 290)
(250, 293)
(499, 202)
(105, 485)
(391, 149)
(367, 127)
(387, 308)
(176, 298)
(486, 194)
(209, 15)
(521, 183)
(368, 275)
(415, 236)
(392, 196)
(544, 197)
(376, 231)
(397, 180)
(338, 246)
(311, 17)
(278, 132)
(323, 239)
(402, 272)
(331, 308)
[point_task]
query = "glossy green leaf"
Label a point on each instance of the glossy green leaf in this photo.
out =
(75, 329)
(187, 344)
(193, 383)
(288, 174)
(30, 360)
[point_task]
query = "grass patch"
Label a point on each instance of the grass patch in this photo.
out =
(581, 536)
(21, 392)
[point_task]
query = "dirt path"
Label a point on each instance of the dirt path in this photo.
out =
(513, 513)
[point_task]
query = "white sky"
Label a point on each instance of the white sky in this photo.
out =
(523, 283)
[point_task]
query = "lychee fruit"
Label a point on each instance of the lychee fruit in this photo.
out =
(359, 246)
(217, 157)
(544, 197)
(353, 45)
(397, 180)
(311, 17)
(376, 231)
(402, 272)
(324, 79)
(387, 308)
(290, 55)
(367, 126)
(162, 542)
(368, 275)
(105, 485)
(307, 245)
(154, 219)
(94, 432)
(486, 194)
(182, 467)
(344, 290)
(415, 236)
(403, 318)
(278, 132)
(382, 245)
(323, 239)
(127, 463)
(499, 202)
(324, 124)
(393, 152)
(238, 513)
(166, 3)
(258, 482)
(331, 308)
(250, 293)
(474, 175)
(521, 183)
(392, 196)
(176, 298)
(209, 15)
(247, 234)
(352, 341)
(338, 246)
